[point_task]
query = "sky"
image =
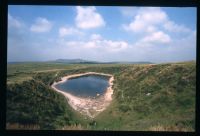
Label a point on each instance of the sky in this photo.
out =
(41, 33)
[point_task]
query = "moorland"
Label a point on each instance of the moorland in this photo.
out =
(146, 97)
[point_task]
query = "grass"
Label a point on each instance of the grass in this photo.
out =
(146, 97)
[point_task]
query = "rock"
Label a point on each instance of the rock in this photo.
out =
(148, 94)
(94, 108)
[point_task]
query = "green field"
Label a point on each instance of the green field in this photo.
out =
(147, 97)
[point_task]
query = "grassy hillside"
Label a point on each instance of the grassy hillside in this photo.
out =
(146, 97)
(152, 97)
(34, 103)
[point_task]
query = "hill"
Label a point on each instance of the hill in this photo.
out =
(146, 97)
(81, 61)
(73, 61)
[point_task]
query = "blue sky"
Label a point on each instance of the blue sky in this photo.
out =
(39, 33)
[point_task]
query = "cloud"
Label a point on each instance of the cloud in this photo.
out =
(65, 31)
(41, 25)
(150, 19)
(97, 44)
(146, 19)
(149, 43)
(103, 49)
(88, 18)
(13, 22)
(157, 37)
(155, 27)
(99, 50)
(96, 37)
(128, 11)
(100, 45)
(173, 27)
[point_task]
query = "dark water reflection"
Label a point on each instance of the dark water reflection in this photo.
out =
(85, 86)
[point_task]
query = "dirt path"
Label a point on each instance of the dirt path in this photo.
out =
(88, 106)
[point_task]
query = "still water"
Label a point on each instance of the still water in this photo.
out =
(85, 86)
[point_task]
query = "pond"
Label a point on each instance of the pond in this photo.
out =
(85, 86)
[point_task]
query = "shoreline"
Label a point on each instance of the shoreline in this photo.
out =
(88, 106)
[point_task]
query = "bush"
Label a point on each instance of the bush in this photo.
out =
(124, 108)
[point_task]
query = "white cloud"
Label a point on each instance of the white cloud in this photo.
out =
(96, 37)
(97, 44)
(88, 18)
(173, 27)
(145, 18)
(104, 49)
(64, 31)
(128, 11)
(115, 46)
(101, 45)
(41, 25)
(157, 37)
(150, 19)
(154, 26)
(13, 22)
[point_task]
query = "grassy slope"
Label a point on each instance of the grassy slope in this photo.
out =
(17, 73)
(170, 105)
(34, 103)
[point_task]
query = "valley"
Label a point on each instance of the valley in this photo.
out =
(146, 97)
